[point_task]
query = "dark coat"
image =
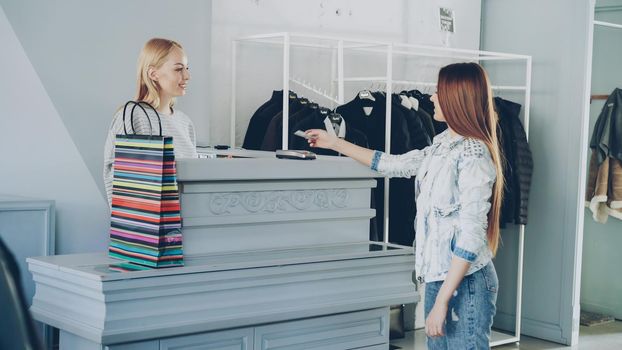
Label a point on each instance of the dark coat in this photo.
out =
(607, 135)
(518, 167)
(260, 120)
(273, 138)
(315, 120)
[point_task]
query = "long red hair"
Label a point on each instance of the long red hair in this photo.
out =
(465, 97)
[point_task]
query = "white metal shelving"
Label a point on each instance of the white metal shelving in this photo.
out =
(390, 51)
(608, 24)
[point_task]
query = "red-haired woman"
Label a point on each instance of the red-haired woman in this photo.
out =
(458, 190)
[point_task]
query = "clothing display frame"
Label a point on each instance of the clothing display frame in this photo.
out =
(390, 50)
(578, 274)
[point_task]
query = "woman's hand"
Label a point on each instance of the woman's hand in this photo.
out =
(320, 138)
(435, 324)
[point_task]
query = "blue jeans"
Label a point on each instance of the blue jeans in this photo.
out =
(470, 311)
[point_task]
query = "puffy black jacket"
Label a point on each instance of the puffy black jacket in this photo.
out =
(519, 162)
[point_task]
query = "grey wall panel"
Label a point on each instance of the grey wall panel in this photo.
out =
(27, 227)
(40, 159)
(506, 266)
(555, 34)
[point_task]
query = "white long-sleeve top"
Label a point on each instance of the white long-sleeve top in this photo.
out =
(178, 125)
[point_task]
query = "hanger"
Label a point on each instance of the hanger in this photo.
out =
(405, 101)
(335, 118)
(324, 111)
(366, 95)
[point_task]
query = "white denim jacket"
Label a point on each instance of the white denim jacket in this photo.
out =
(453, 187)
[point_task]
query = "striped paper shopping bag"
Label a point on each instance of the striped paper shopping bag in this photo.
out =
(145, 222)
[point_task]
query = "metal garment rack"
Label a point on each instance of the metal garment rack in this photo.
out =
(390, 51)
(608, 24)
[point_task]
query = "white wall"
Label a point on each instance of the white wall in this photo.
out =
(392, 21)
(85, 54)
(40, 160)
(601, 291)
(555, 34)
(66, 67)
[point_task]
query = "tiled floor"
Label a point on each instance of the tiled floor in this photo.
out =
(603, 337)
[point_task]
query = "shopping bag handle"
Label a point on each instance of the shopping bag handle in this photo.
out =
(139, 104)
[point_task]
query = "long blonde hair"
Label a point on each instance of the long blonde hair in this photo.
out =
(153, 55)
(465, 97)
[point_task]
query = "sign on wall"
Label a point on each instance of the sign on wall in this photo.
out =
(447, 19)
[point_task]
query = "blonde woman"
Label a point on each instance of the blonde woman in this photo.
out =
(162, 75)
(458, 190)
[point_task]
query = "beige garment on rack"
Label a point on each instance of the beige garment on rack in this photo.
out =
(603, 194)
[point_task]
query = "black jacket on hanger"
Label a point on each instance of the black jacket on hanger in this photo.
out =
(607, 135)
(428, 106)
(273, 139)
(519, 162)
(401, 196)
(425, 117)
(373, 125)
(428, 122)
(418, 135)
(316, 121)
(261, 119)
(402, 191)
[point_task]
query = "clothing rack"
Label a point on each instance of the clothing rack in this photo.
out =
(598, 97)
(585, 157)
(287, 40)
(314, 89)
(608, 24)
(427, 83)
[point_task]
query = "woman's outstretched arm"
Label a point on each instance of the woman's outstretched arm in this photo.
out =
(391, 165)
(320, 138)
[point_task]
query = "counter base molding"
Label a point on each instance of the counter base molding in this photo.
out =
(86, 296)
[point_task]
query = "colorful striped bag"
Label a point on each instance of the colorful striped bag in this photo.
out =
(145, 222)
